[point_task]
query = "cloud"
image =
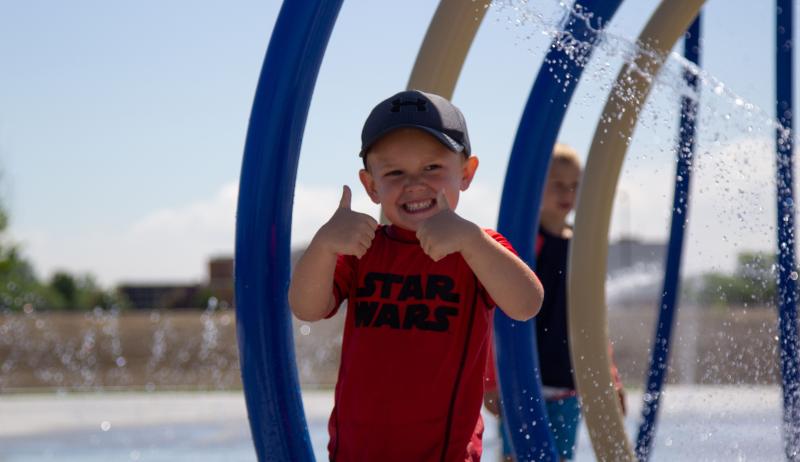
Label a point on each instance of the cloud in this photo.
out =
(732, 209)
(170, 244)
(174, 244)
(481, 204)
(314, 205)
(732, 203)
(213, 218)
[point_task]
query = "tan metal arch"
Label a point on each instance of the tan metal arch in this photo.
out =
(445, 47)
(588, 323)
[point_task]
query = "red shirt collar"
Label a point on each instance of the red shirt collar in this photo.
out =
(401, 234)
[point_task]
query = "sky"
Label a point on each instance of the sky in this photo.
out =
(122, 124)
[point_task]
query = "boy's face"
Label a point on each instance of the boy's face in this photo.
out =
(561, 189)
(405, 171)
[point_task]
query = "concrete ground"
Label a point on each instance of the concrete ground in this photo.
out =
(701, 423)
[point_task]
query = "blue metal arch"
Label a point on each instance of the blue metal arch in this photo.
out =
(264, 220)
(680, 210)
(263, 227)
(524, 413)
(787, 268)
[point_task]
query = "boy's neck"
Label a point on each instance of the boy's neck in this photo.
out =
(401, 233)
(556, 226)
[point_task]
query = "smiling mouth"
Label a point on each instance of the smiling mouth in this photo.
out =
(419, 206)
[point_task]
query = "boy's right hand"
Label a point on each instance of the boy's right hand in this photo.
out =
(347, 232)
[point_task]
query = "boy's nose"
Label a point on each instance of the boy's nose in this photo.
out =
(413, 181)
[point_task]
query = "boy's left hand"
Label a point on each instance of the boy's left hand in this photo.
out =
(445, 232)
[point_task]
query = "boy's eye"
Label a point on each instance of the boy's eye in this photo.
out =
(433, 167)
(393, 173)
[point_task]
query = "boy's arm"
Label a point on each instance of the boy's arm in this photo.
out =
(509, 281)
(346, 233)
(311, 289)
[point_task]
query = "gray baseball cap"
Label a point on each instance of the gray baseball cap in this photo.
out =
(413, 108)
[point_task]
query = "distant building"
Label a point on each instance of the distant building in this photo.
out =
(624, 254)
(630, 252)
(162, 295)
(220, 279)
(151, 296)
(635, 272)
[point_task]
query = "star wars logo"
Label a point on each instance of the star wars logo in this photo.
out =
(418, 303)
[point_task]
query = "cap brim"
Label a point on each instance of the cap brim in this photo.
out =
(443, 138)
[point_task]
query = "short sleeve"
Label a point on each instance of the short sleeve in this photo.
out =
(504, 242)
(343, 278)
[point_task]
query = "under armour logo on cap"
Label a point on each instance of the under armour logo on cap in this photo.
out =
(398, 103)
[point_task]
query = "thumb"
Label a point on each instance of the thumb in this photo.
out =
(344, 202)
(441, 201)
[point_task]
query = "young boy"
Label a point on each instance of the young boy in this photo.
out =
(552, 249)
(419, 291)
(558, 200)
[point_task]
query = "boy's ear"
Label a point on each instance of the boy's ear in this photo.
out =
(369, 185)
(469, 167)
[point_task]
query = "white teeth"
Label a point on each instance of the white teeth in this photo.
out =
(416, 206)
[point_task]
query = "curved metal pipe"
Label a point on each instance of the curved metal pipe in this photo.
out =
(517, 358)
(659, 359)
(263, 227)
(588, 256)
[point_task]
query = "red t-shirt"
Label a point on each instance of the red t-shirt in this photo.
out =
(414, 352)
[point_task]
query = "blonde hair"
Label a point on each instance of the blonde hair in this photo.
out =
(566, 154)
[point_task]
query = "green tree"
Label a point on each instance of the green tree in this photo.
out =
(751, 283)
(18, 284)
(64, 286)
(20, 288)
(66, 291)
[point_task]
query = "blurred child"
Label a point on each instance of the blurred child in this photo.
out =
(552, 249)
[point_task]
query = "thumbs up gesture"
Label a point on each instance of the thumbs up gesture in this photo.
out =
(347, 232)
(347, 197)
(445, 232)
